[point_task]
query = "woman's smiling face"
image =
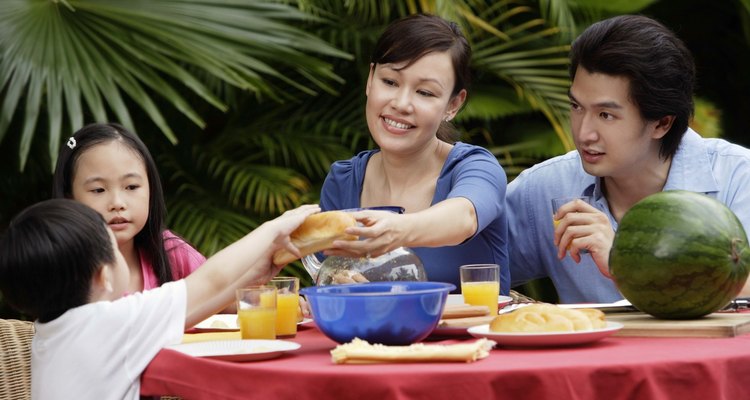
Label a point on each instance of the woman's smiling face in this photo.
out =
(405, 106)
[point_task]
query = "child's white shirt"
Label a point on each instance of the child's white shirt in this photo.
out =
(99, 350)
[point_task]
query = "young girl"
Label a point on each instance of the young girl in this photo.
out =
(60, 264)
(109, 169)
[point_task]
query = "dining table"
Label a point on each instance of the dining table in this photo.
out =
(612, 368)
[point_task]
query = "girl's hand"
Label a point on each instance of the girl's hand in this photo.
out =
(286, 223)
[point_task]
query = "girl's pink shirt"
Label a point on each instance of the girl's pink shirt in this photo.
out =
(183, 258)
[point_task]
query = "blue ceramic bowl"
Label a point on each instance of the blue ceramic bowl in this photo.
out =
(392, 313)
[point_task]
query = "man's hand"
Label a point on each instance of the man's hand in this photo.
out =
(580, 226)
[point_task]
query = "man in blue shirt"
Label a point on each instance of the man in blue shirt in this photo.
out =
(631, 99)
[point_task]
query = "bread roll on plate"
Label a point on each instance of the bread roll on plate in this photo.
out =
(317, 233)
(548, 318)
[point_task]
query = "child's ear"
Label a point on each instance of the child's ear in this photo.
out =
(103, 279)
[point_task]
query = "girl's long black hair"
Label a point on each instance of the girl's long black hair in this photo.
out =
(150, 240)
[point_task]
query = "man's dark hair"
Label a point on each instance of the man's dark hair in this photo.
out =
(657, 63)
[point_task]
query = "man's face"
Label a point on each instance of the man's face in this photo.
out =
(610, 135)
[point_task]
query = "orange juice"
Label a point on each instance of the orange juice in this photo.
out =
(287, 305)
(481, 294)
(267, 299)
(257, 323)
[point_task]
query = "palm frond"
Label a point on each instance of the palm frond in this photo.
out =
(744, 12)
(529, 53)
(209, 228)
(101, 55)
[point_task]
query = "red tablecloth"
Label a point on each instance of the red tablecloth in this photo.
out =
(614, 368)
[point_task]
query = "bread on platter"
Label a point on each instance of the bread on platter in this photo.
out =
(317, 233)
(548, 318)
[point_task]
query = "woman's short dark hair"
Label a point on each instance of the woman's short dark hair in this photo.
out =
(412, 37)
(49, 255)
(657, 63)
(150, 239)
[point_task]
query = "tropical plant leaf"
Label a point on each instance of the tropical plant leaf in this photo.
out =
(488, 102)
(529, 54)
(209, 228)
(99, 50)
(613, 7)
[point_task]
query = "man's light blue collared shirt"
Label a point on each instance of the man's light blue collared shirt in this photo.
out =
(711, 166)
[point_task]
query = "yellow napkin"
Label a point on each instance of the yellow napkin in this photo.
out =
(202, 337)
(360, 352)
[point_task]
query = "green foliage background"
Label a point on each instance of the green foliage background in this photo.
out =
(245, 104)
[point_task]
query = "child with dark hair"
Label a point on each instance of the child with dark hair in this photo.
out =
(60, 264)
(108, 168)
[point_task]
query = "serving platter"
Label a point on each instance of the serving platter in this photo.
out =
(545, 339)
(237, 350)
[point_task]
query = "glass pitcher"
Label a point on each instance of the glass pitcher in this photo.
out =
(400, 264)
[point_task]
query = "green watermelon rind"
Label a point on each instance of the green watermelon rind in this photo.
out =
(646, 249)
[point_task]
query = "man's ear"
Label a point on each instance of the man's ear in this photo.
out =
(662, 126)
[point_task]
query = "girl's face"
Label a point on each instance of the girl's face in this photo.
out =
(405, 106)
(111, 178)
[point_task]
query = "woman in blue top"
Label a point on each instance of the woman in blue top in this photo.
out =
(452, 192)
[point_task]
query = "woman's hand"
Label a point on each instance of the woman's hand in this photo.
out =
(379, 232)
(580, 226)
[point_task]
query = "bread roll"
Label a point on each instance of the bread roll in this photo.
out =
(595, 316)
(317, 233)
(548, 318)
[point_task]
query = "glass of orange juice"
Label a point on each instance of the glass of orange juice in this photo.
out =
(287, 305)
(256, 312)
(480, 285)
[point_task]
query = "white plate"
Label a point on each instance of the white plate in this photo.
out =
(226, 323)
(618, 306)
(545, 339)
(237, 350)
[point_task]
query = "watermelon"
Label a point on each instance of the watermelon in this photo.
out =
(679, 255)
